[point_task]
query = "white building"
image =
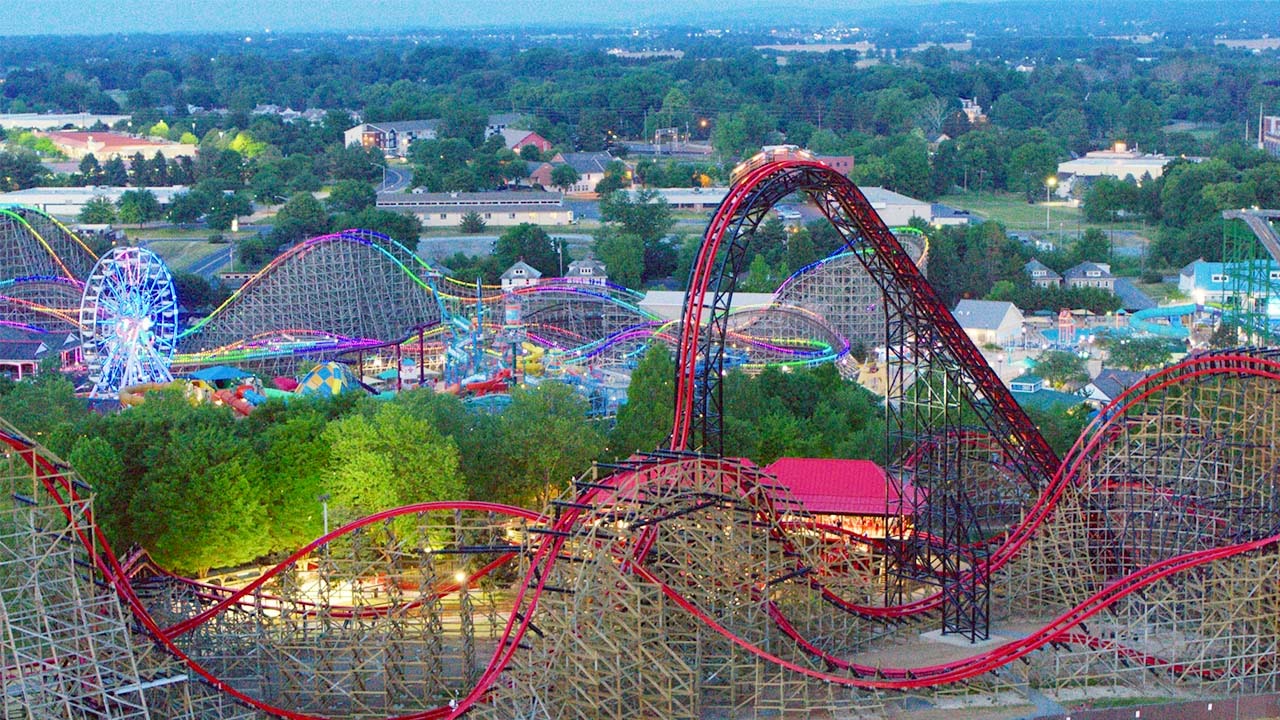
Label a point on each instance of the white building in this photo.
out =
(989, 322)
(1119, 162)
(495, 208)
(67, 202)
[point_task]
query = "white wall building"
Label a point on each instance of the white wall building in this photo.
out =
(67, 202)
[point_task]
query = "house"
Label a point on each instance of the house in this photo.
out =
(855, 495)
(590, 167)
(587, 270)
(1109, 384)
(1089, 275)
(1042, 275)
(989, 322)
(499, 208)
(105, 145)
(21, 351)
(521, 274)
(1216, 282)
(972, 110)
(517, 139)
(392, 138)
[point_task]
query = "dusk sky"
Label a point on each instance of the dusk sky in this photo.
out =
(158, 16)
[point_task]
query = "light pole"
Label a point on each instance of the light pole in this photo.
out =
(324, 511)
(1049, 184)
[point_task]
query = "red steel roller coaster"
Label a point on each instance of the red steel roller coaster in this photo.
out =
(684, 584)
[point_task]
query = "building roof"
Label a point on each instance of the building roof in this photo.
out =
(881, 196)
(1033, 266)
(588, 162)
(18, 344)
(403, 126)
(1131, 298)
(983, 314)
(1112, 382)
(530, 272)
(1086, 267)
(1046, 399)
(577, 266)
(503, 199)
(105, 142)
(843, 487)
(514, 137)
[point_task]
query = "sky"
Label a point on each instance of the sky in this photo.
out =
(59, 17)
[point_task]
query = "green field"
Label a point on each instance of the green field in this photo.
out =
(1016, 214)
(180, 255)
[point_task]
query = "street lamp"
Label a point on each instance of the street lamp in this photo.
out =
(1049, 184)
(324, 511)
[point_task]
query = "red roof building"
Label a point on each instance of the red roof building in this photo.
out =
(106, 145)
(854, 494)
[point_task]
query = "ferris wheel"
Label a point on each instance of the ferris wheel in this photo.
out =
(128, 321)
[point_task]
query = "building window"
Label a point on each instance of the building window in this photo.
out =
(511, 216)
(444, 216)
(1218, 278)
(1275, 274)
(488, 215)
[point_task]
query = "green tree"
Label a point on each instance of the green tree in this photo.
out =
(98, 211)
(1138, 353)
(546, 441)
(1061, 369)
(138, 206)
(301, 217)
(646, 418)
(114, 172)
(564, 176)
(529, 243)
(646, 216)
(623, 255)
(472, 223)
(350, 196)
(385, 457)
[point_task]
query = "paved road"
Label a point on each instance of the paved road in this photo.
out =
(207, 267)
(397, 179)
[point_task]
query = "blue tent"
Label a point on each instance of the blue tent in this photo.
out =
(219, 373)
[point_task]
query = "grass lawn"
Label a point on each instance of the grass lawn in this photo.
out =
(1015, 213)
(180, 255)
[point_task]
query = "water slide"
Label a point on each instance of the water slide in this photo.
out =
(1172, 327)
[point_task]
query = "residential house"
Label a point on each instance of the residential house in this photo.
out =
(1042, 275)
(394, 138)
(1109, 384)
(989, 322)
(1269, 135)
(519, 275)
(1089, 275)
(590, 167)
(495, 208)
(517, 139)
(972, 110)
(587, 270)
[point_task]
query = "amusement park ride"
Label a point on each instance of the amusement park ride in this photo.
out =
(684, 584)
